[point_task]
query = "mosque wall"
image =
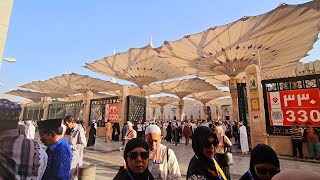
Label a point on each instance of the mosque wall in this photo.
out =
(191, 112)
(282, 145)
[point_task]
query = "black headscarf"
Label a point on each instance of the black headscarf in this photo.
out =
(132, 144)
(201, 134)
(263, 153)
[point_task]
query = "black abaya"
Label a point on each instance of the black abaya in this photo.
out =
(169, 134)
(115, 132)
(92, 135)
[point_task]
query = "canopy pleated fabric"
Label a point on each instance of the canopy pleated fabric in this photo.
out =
(134, 90)
(37, 96)
(81, 97)
(34, 96)
(70, 84)
(163, 100)
(183, 88)
(221, 101)
(207, 96)
(274, 40)
(5, 13)
(141, 66)
(188, 102)
(289, 71)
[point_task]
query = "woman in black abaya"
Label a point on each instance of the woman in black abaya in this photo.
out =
(264, 164)
(202, 164)
(92, 134)
(115, 132)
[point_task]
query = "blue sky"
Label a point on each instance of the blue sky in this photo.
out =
(49, 37)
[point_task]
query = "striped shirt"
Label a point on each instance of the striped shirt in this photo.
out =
(20, 158)
(296, 133)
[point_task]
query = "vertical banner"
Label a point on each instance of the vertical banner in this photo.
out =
(286, 107)
(112, 112)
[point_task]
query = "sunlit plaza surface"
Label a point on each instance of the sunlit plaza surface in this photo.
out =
(108, 159)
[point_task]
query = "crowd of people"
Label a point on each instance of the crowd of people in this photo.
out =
(145, 157)
(309, 136)
(23, 158)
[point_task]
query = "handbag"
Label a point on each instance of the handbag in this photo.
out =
(227, 154)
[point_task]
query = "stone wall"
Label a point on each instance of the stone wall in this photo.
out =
(283, 146)
(101, 132)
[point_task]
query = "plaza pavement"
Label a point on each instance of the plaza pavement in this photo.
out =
(108, 159)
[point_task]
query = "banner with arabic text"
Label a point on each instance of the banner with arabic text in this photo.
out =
(286, 107)
(112, 112)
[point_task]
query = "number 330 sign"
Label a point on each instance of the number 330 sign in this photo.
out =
(294, 105)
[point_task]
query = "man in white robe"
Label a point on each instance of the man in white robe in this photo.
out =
(244, 139)
(163, 163)
(30, 130)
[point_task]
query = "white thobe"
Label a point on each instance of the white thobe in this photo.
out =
(77, 143)
(30, 131)
(244, 139)
(43, 160)
(163, 168)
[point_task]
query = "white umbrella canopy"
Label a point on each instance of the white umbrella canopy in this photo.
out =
(5, 13)
(163, 100)
(281, 72)
(134, 90)
(188, 102)
(278, 38)
(37, 96)
(183, 88)
(221, 101)
(70, 84)
(141, 66)
(80, 97)
(34, 96)
(47, 88)
(221, 80)
(207, 96)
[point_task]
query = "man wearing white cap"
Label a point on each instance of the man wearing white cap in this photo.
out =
(30, 130)
(163, 163)
(131, 133)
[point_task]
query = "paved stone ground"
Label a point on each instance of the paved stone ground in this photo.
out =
(108, 159)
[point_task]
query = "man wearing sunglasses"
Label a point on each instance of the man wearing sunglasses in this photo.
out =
(163, 163)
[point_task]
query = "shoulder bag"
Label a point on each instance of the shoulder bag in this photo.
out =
(227, 154)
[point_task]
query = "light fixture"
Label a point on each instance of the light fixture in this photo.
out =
(10, 60)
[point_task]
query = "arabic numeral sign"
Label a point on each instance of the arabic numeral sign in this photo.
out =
(313, 114)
